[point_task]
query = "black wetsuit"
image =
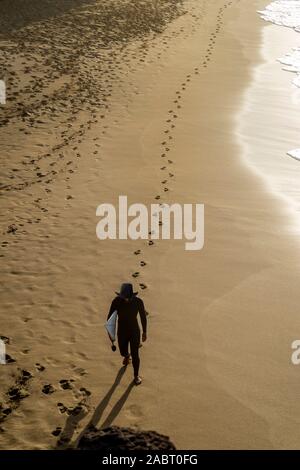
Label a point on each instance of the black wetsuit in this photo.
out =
(128, 327)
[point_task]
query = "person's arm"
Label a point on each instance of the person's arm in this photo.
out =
(143, 319)
(113, 307)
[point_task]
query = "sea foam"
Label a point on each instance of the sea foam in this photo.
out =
(287, 13)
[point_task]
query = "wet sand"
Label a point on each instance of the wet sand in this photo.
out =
(216, 366)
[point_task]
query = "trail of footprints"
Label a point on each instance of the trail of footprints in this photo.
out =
(88, 66)
(21, 389)
(168, 140)
(44, 168)
(60, 108)
(15, 394)
(32, 106)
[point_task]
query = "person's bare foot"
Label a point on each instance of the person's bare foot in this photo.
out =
(126, 361)
(137, 380)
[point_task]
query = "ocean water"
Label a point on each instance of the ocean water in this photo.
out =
(268, 125)
(287, 13)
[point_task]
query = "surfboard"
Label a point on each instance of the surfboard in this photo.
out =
(111, 325)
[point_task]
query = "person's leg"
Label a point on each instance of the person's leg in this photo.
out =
(134, 349)
(123, 345)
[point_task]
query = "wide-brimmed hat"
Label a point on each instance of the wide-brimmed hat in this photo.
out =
(126, 291)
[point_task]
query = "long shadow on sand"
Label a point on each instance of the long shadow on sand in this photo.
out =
(98, 413)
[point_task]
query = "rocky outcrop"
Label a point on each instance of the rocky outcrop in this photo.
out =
(123, 439)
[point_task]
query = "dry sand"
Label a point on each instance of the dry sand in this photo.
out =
(216, 366)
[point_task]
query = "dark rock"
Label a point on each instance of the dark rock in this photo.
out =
(123, 439)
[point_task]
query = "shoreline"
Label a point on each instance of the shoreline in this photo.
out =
(278, 170)
(216, 367)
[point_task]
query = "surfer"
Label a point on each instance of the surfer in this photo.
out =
(128, 306)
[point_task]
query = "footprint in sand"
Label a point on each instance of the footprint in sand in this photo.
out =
(25, 351)
(62, 408)
(137, 252)
(143, 286)
(79, 370)
(66, 384)
(85, 392)
(57, 431)
(143, 263)
(135, 411)
(5, 412)
(48, 389)
(76, 410)
(19, 391)
(81, 393)
(135, 275)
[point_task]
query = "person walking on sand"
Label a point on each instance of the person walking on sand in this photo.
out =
(128, 306)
